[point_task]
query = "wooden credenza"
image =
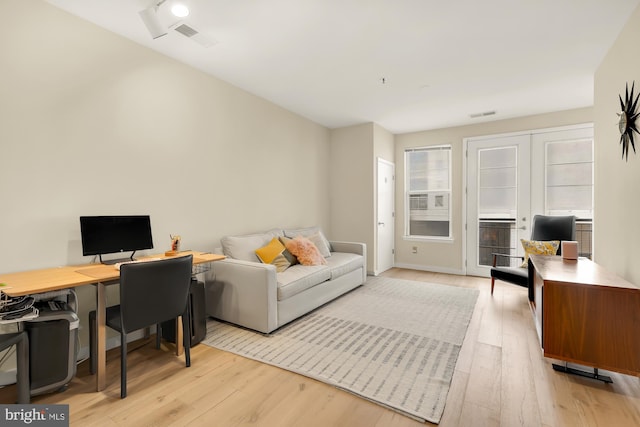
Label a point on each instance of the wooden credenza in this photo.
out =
(586, 315)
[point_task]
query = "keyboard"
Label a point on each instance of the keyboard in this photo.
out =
(135, 261)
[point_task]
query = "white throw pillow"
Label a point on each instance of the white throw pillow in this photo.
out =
(320, 242)
(244, 247)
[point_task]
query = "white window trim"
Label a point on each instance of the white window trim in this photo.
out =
(434, 239)
(439, 239)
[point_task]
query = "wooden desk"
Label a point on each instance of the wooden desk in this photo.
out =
(52, 279)
(586, 314)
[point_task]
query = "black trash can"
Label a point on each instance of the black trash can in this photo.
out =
(198, 316)
(53, 337)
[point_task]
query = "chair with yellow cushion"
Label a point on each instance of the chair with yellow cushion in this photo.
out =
(544, 230)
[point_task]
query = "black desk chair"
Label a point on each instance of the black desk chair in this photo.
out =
(150, 293)
(543, 228)
(21, 341)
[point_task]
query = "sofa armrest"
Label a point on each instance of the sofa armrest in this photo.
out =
(243, 293)
(349, 247)
(353, 248)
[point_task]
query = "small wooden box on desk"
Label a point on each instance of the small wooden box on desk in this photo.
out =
(585, 314)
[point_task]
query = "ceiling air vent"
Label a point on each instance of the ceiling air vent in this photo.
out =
(486, 113)
(187, 30)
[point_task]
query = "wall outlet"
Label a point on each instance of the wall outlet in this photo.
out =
(414, 249)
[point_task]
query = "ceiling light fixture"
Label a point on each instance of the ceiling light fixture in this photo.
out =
(150, 18)
(180, 10)
(152, 22)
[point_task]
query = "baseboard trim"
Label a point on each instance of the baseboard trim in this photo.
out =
(431, 268)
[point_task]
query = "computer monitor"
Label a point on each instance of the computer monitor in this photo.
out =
(115, 234)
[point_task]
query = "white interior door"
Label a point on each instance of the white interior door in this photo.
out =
(498, 199)
(385, 217)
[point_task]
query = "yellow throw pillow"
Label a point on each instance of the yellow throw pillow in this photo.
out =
(272, 254)
(535, 247)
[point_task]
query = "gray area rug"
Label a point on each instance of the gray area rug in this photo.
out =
(394, 342)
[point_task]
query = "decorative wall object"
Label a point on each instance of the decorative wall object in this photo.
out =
(627, 122)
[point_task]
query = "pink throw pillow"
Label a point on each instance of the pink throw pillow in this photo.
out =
(306, 252)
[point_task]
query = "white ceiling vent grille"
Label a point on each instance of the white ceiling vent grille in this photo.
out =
(189, 31)
(186, 30)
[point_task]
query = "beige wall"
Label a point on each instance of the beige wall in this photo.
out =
(448, 256)
(617, 182)
(354, 153)
(351, 177)
(383, 144)
(92, 123)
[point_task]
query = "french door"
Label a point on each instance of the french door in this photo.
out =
(498, 202)
(510, 177)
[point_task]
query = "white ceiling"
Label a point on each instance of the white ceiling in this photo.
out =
(441, 60)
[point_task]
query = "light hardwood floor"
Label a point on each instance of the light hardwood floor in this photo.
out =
(501, 379)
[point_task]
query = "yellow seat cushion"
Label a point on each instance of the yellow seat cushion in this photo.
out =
(536, 247)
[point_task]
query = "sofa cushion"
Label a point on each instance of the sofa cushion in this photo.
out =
(243, 247)
(342, 263)
(306, 232)
(272, 253)
(298, 278)
(306, 252)
(288, 255)
(321, 243)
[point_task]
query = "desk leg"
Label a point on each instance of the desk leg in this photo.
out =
(179, 337)
(101, 348)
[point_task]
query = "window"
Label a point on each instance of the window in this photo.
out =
(497, 199)
(428, 192)
(569, 178)
(569, 186)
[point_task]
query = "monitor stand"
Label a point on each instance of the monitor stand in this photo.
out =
(117, 260)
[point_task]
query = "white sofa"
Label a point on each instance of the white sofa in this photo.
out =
(242, 290)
